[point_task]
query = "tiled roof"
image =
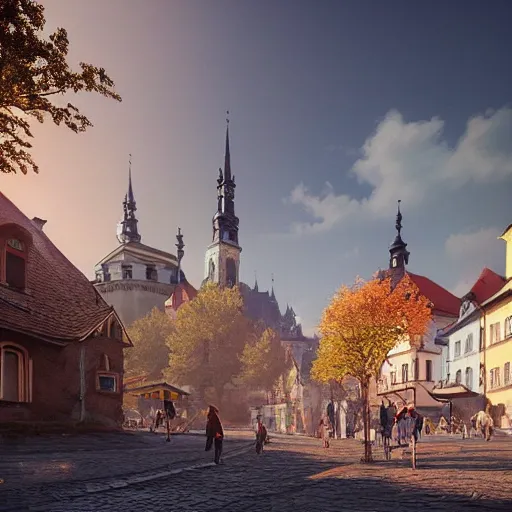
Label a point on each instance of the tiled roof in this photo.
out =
(60, 303)
(487, 284)
(444, 302)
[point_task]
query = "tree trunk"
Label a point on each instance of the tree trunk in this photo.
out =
(366, 421)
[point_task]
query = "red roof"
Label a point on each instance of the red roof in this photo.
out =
(183, 292)
(487, 284)
(59, 304)
(445, 303)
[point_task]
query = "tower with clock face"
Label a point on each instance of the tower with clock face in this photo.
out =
(222, 259)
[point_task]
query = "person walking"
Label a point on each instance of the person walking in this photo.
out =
(214, 433)
(324, 432)
(261, 436)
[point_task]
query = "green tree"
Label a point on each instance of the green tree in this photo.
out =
(34, 73)
(150, 353)
(263, 361)
(208, 339)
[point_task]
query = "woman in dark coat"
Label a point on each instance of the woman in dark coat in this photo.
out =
(214, 432)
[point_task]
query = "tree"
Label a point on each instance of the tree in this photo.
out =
(207, 341)
(360, 326)
(263, 361)
(33, 74)
(150, 353)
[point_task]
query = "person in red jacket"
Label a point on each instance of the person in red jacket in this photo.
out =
(214, 432)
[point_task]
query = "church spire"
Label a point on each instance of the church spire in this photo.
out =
(180, 246)
(227, 155)
(127, 229)
(255, 282)
(399, 255)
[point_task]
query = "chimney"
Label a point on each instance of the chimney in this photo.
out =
(39, 223)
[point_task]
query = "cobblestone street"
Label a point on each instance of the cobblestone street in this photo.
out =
(294, 474)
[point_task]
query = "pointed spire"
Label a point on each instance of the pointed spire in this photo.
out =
(255, 282)
(127, 229)
(398, 249)
(180, 245)
(130, 197)
(227, 155)
(272, 294)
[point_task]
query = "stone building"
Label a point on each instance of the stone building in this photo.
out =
(61, 344)
(135, 278)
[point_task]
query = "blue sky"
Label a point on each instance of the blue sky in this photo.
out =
(338, 109)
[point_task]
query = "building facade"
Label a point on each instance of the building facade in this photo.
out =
(413, 367)
(134, 278)
(497, 355)
(61, 344)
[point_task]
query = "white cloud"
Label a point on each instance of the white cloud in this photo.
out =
(471, 252)
(413, 158)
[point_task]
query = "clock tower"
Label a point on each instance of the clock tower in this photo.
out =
(398, 253)
(222, 258)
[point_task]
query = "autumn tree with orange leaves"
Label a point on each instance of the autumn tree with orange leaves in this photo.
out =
(360, 326)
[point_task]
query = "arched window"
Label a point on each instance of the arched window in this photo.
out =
(458, 377)
(15, 373)
(15, 263)
(508, 327)
(231, 272)
(115, 332)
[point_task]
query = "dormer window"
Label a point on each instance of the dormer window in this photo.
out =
(127, 272)
(15, 263)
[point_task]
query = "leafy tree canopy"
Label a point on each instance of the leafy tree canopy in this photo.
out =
(209, 336)
(150, 353)
(263, 361)
(33, 73)
(363, 323)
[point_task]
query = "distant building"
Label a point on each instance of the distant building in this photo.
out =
(222, 259)
(413, 367)
(61, 344)
(135, 278)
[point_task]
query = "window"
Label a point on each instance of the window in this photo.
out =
(107, 382)
(151, 272)
(495, 333)
(127, 271)
(15, 263)
(469, 344)
(417, 369)
(469, 377)
(457, 348)
(458, 377)
(508, 327)
(394, 262)
(428, 370)
(116, 331)
(405, 373)
(393, 377)
(481, 338)
(506, 374)
(495, 378)
(231, 272)
(15, 373)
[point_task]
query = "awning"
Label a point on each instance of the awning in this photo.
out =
(452, 392)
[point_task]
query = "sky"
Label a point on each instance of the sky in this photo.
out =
(337, 110)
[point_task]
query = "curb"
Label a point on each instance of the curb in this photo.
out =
(92, 488)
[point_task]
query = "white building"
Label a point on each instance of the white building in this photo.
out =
(135, 278)
(414, 367)
(465, 337)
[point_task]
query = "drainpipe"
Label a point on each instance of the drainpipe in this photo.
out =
(81, 365)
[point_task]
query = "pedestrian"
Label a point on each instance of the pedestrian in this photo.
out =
(324, 432)
(214, 433)
(261, 435)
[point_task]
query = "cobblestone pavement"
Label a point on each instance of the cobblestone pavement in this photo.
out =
(296, 474)
(47, 468)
